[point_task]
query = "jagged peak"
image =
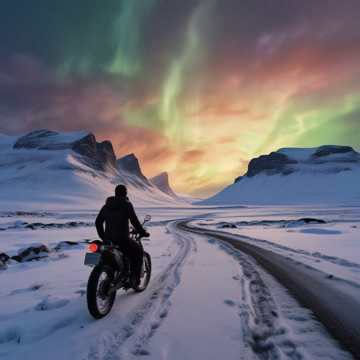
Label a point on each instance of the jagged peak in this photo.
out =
(161, 181)
(162, 176)
(130, 163)
(98, 154)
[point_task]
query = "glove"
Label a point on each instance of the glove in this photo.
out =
(145, 234)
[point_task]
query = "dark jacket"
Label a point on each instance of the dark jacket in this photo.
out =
(116, 214)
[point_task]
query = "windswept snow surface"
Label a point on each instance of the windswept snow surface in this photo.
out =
(205, 300)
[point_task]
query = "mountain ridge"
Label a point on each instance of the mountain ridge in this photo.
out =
(162, 182)
(324, 174)
(68, 169)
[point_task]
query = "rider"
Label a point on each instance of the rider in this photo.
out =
(116, 214)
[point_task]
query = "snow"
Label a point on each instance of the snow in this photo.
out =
(205, 300)
(46, 138)
(299, 154)
(36, 179)
(296, 188)
(302, 178)
(332, 247)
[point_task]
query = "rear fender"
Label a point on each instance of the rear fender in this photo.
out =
(113, 259)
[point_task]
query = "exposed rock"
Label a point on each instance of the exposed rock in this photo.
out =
(286, 161)
(333, 149)
(130, 163)
(25, 213)
(98, 155)
(43, 140)
(67, 225)
(66, 245)
(226, 225)
(4, 258)
(325, 174)
(312, 221)
(31, 253)
(161, 181)
(101, 154)
(273, 163)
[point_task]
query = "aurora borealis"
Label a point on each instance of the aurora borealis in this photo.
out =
(194, 87)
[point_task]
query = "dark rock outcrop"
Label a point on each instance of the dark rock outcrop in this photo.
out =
(286, 161)
(64, 245)
(161, 181)
(42, 140)
(238, 179)
(31, 253)
(4, 258)
(274, 163)
(97, 155)
(130, 164)
(333, 149)
(101, 154)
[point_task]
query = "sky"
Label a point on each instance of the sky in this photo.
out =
(193, 87)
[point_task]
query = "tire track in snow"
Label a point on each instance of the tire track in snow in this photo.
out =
(306, 285)
(130, 340)
(264, 334)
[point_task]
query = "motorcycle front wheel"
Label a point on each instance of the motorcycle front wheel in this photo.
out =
(145, 273)
(99, 300)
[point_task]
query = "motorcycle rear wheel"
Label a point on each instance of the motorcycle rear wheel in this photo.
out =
(99, 300)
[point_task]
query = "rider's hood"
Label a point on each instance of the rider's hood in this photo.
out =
(113, 202)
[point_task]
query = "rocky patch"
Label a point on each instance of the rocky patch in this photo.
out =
(6, 214)
(274, 223)
(31, 253)
(41, 252)
(4, 258)
(19, 224)
(65, 245)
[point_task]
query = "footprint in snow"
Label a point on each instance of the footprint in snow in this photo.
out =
(229, 302)
(50, 304)
(34, 287)
(10, 335)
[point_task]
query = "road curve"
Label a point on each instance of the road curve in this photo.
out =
(336, 309)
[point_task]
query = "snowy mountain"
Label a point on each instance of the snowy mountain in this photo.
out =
(129, 165)
(161, 181)
(65, 170)
(326, 174)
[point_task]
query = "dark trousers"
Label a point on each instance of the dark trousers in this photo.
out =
(133, 251)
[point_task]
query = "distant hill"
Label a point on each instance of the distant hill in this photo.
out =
(325, 174)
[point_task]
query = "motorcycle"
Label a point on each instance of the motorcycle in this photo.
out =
(111, 272)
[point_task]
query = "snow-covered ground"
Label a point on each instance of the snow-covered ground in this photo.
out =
(205, 300)
(45, 169)
(327, 238)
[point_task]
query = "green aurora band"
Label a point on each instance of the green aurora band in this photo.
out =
(219, 82)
